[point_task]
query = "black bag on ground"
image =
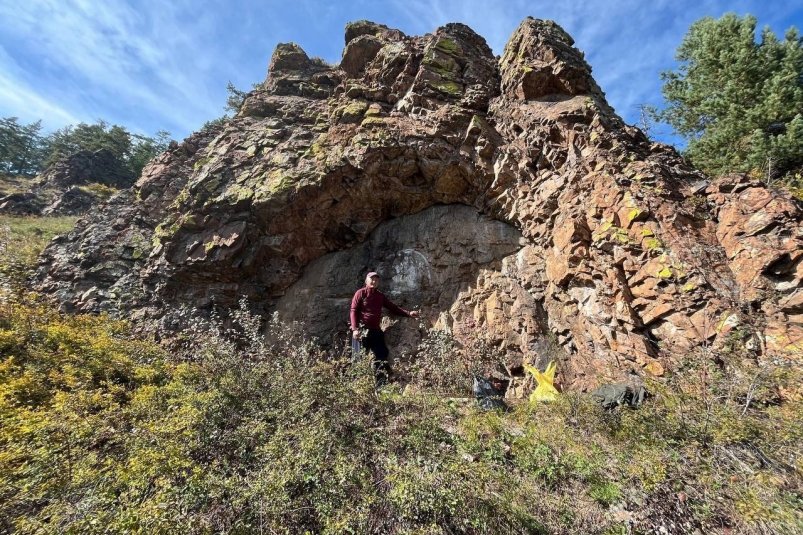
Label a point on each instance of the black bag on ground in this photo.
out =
(488, 396)
(613, 395)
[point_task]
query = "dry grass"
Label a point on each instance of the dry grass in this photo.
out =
(22, 239)
(237, 433)
(14, 184)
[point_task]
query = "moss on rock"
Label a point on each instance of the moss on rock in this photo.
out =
(449, 87)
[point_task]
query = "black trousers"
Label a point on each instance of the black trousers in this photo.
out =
(375, 343)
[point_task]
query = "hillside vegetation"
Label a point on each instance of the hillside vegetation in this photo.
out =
(102, 431)
(25, 151)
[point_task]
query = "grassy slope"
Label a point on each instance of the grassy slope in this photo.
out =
(17, 184)
(13, 184)
(22, 238)
(101, 432)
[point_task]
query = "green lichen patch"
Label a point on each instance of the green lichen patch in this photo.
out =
(671, 268)
(372, 121)
(212, 183)
(633, 211)
(358, 107)
(653, 244)
(182, 197)
(139, 245)
(317, 150)
(275, 182)
(168, 228)
(165, 229)
(665, 272)
(236, 193)
(352, 112)
(101, 191)
(445, 71)
(450, 88)
(444, 44)
(621, 236)
(602, 230)
(200, 162)
(608, 229)
(443, 65)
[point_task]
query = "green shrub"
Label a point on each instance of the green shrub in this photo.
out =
(238, 432)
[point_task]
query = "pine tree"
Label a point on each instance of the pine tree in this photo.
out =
(145, 149)
(738, 101)
(20, 147)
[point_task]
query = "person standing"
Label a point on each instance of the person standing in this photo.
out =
(366, 312)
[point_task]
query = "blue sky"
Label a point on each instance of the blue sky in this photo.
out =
(151, 65)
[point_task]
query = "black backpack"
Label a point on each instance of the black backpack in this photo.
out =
(488, 397)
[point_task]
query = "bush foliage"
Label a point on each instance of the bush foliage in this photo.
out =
(22, 238)
(235, 433)
(251, 428)
(25, 151)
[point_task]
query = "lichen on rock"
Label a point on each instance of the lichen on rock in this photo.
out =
(584, 232)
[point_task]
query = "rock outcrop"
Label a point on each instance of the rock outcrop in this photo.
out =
(70, 186)
(502, 195)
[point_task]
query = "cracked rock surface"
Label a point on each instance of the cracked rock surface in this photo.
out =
(502, 195)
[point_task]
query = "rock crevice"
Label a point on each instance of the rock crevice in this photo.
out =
(629, 258)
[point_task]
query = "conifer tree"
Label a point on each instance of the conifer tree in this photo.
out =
(20, 146)
(738, 101)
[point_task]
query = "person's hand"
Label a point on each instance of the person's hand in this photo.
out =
(415, 314)
(355, 334)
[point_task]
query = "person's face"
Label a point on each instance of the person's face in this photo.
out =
(373, 282)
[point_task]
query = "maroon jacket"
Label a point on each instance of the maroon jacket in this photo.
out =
(366, 308)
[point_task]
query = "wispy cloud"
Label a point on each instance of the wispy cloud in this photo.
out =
(114, 60)
(150, 64)
(18, 98)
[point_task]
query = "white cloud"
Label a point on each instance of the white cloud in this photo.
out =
(146, 62)
(19, 99)
(127, 62)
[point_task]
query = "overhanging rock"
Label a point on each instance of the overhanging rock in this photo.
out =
(631, 259)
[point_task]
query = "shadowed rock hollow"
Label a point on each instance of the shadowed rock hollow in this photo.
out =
(500, 194)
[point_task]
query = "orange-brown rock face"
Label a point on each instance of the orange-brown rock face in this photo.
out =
(505, 197)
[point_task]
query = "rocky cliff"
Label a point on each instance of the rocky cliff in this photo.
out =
(502, 195)
(70, 186)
